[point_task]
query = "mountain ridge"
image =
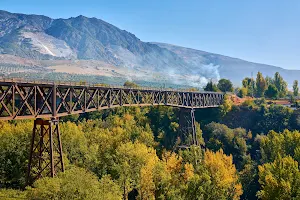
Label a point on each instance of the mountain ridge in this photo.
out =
(217, 54)
(40, 38)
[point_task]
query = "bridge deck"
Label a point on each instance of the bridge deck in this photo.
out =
(37, 99)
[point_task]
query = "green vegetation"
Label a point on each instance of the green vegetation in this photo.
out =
(111, 158)
(242, 92)
(271, 88)
(261, 85)
(248, 85)
(280, 84)
(247, 151)
(132, 152)
(212, 87)
(224, 85)
(47, 75)
(295, 88)
(130, 84)
(272, 92)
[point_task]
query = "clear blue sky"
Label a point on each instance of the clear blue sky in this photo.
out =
(265, 31)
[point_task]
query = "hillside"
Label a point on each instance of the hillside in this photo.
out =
(227, 67)
(34, 44)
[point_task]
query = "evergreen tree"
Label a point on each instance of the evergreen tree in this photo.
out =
(271, 92)
(249, 84)
(225, 85)
(261, 85)
(280, 84)
(211, 87)
(269, 80)
(295, 88)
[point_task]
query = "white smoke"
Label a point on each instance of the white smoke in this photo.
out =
(198, 77)
(195, 74)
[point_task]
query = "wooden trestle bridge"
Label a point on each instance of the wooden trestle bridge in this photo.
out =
(46, 102)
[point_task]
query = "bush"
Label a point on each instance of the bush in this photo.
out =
(75, 183)
(130, 84)
(242, 92)
(248, 103)
(272, 92)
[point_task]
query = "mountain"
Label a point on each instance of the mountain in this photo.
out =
(227, 67)
(38, 46)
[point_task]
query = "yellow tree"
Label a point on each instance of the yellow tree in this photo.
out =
(171, 175)
(226, 106)
(109, 189)
(134, 165)
(147, 185)
(223, 174)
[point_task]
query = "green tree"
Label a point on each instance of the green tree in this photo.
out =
(226, 106)
(225, 85)
(279, 179)
(130, 84)
(171, 175)
(200, 187)
(271, 92)
(211, 87)
(243, 92)
(284, 144)
(249, 179)
(105, 138)
(249, 84)
(75, 143)
(164, 123)
(232, 141)
(261, 85)
(246, 82)
(280, 84)
(10, 194)
(269, 80)
(75, 183)
(295, 120)
(14, 145)
(295, 88)
(275, 118)
(109, 189)
(129, 148)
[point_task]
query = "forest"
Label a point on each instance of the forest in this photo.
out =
(247, 151)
